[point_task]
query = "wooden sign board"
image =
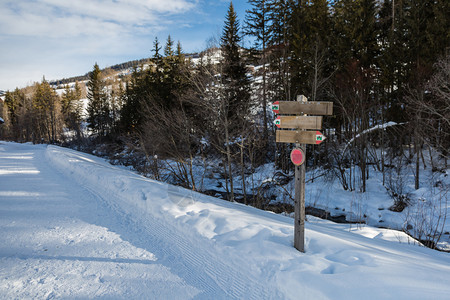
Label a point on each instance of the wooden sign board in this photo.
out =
(321, 108)
(299, 137)
(299, 122)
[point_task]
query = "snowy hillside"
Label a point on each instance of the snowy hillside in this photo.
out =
(73, 226)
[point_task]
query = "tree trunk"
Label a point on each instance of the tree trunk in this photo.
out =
(243, 171)
(416, 146)
(228, 153)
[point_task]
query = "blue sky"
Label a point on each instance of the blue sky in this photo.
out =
(64, 38)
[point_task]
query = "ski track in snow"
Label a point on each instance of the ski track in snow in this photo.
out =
(195, 264)
(74, 227)
(65, 251)
(217, 278)
(197, 272)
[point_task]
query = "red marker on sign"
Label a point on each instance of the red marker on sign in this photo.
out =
(297, 156)
(276, 107)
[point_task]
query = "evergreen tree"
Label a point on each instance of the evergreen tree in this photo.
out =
(257, 24)
(12, 102)
(47, 106)
(77, 104)
(18, 125)
(157, 57)
(311, 63)
(168, 49)
(356, 31)
(71, 106)
(280, 12)
(234, 70)
(425, 42)
(155, 88)
(171, 80)
(357, 49)
(66, 102)
(179, 54)
(98, 107)
(235, 102)
(131, 113)
(116, 103)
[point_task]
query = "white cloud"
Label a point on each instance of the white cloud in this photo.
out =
(62, 38)
(56, 18)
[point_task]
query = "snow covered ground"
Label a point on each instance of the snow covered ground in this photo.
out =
(73, 226)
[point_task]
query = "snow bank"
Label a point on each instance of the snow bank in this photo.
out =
(340, 262)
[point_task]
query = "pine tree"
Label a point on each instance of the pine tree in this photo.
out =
(257, 24)
(357, 31)
(12, 103)
(157, 57)
(170, 82)
(17, 112)
(280, 12)
(311, 63)
(98, 107)
(156, 88)
(168, 49)
(425, 42)
(71, 106)
(357, 55)
(133, 97)
(235, 103)
(48, 113)
(234, 72)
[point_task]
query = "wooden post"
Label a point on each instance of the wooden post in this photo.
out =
(299, 210)
(300, 137)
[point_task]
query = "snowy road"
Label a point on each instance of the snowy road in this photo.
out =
(73, 226)
(59, 239)
(63, 240)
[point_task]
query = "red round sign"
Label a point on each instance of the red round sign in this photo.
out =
(297, 156)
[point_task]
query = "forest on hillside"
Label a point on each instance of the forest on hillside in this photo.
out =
(385, 65)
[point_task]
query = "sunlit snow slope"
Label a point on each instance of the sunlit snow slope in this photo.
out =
(73, 226)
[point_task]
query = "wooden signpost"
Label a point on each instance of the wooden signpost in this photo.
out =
(299, 137)
(302, 122)
(296, 133)
(303, 107)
